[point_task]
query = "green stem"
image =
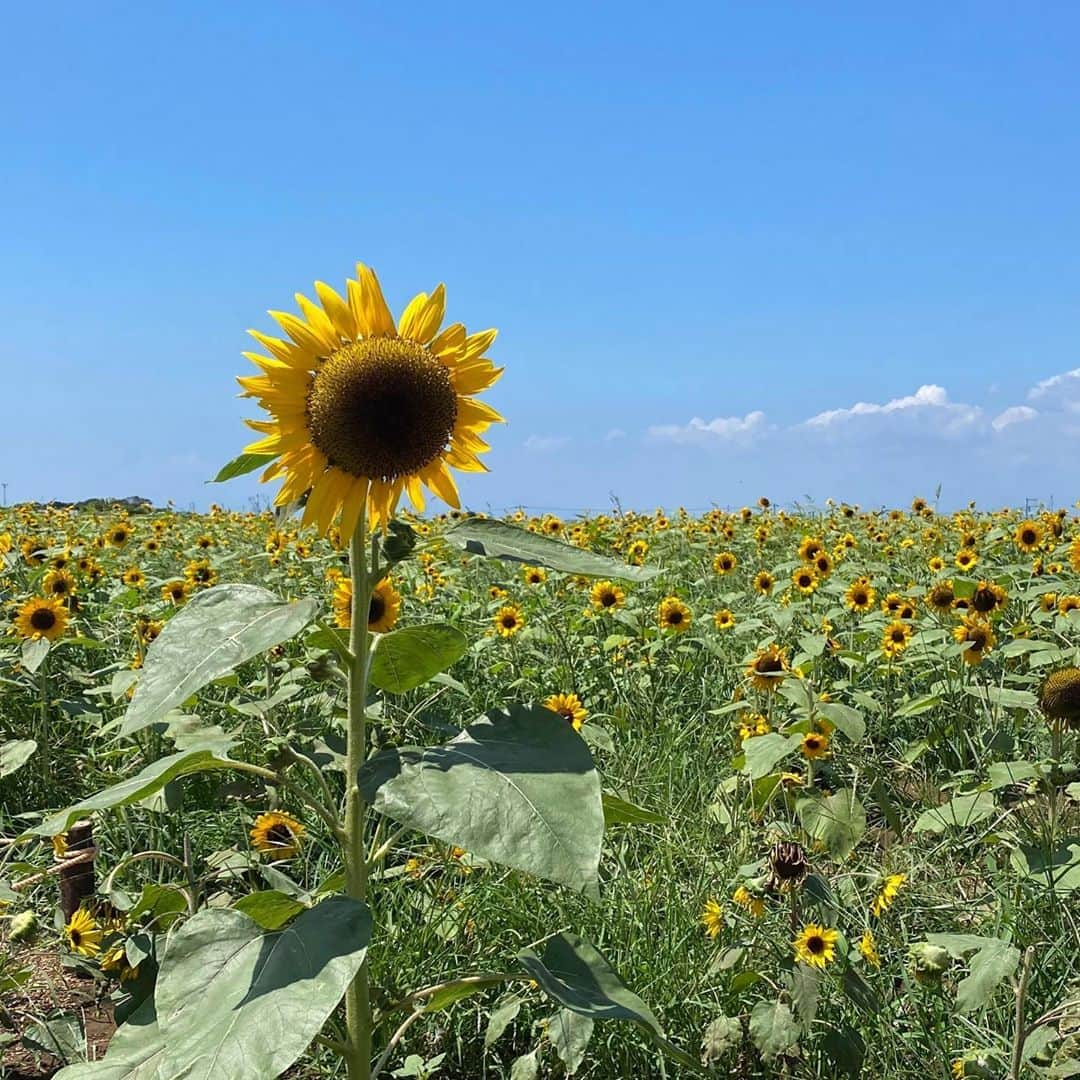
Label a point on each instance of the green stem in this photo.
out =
(358, 995)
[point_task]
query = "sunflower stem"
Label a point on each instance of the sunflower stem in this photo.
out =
(357, 996)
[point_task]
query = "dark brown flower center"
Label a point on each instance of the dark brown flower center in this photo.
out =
(376, 609)
(382, 408)
(815, 944)
(43, 619)
(279, 835)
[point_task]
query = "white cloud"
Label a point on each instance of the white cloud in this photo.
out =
(1064, 381)
(543, 443)
(1015, 414)
(615, 433)
(928, 401)
(701, 431)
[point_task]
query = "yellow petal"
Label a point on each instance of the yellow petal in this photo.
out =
(478, 344)
(416, 493)
(319, 322)
(285, 351)
(350, 510)
(449, 344)
(471, 411)
(438, 477)
(427, 320)
(376, 315)
(411, 315)
(474, 377)
(337, 309)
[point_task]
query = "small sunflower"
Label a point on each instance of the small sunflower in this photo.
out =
(815, 744)
(1059, 696)
(815, 945)
(200, 574)
(363, 409)
(810, 548)
(175, 592)
(823, 564)
(723, 619)
(41, 617)
(755, 905)
(674, 615)
(895, 638)
(868, 949)
(1028, 536)
(940, 598)
(890, 887)
(860, 596)
(1074, 554)
(976, 637)
(712, 918)
(764, 582)
(58, 583)
(133, 578)
(384, 608)
(508, 621)
(987, 597)
(636, 552)
(119, 535)
(936, 564)
(605, 596)
(767, 668)
(534, 575)
(83, 934)
(724, 563)
(569, 707)
(805, 580)
(966, 559)
(1069, 602)
(277, 834)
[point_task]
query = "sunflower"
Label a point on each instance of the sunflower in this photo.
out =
(1059, 696)
(674, 615)
(83, 934)
(764, 582)
(936, 564)
(814, 744)
(976, 637)
(59, 583)
(767, 668)
(724, 563)
(133, 578)
(988, 596)
(1069, 602)
(712, 918)
(755, 905)
(605, 596)
(895, 638)
(200, 574)
(805, 580)
(940, 598)
(383, 610)
(119, 535)
(636, 552)
(724, 619)
(887, 893)
(175, 592)
(569, 707)
(815, 945)
(277, 834)
(966, 558)
(810, 548)
(1048, 601)
(1074, 554)
(1028, 536)
(204, 542)
(860, 596)
(823, 564)
(41, 617)
(534, 575)
(868, 949)
(508, 621)
(363, 410)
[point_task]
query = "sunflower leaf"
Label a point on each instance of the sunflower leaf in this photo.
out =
(497, 540)
(518, 787)
(407, 658)
(838, 821)
(217, 631)
(14, 754)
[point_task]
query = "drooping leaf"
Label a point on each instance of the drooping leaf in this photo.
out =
(222, 980)
(838, 821)
(723, 1034)
(772, 1028)
(764, 752)
(14, 754)
(846, 719)
(143, 784)
(502, 1016)
(570, 1033)
(241, 466)
(407, 658)
(496, 539)
(519, 787)
(992, 962)
(217, 630)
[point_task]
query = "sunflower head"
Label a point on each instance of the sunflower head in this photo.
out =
(764, 582)
(815, 945)
(606, 596)
(815, 744)
(724, 619)
(674, 615)
(1059, 697)
(83, 933)
(940, 598)
(988, 596)
(41, 617)
(569, 707)
(767, 668)
(508, 621)
(277, 834)
(364, 409)
(724, 563)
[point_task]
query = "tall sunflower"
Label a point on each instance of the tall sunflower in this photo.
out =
(41, 617)
(363, 409)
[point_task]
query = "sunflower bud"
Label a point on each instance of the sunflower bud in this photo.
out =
(928, 963)
(24, 926)
(1059, 697)
(399, 542)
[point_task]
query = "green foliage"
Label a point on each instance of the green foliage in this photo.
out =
(405, 659)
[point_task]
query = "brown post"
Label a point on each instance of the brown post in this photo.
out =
(77, 882)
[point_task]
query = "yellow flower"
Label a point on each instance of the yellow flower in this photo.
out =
(133, 578)
(815, 945)
(674, 615)
(119, 534)
(277, 834)
(58, 583)
(200, 574)
(860, 596)
(364, 410)
(175, 592)
(889, 889)
(767, 668)
(976, 637)
(41, 617)
(764, 582)
(723, 619)
(83, 934)
(868, 949)
(606, 597)
(534, 575)
(1028, 536)
(384, 607)
(815, 744)
(569, 707)
(724, 563)
(966, 559)
(895, 638)
(508, 621)
(712, 918)
(755, 905)
(805, 580)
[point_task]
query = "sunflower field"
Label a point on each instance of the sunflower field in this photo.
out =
(350, 789)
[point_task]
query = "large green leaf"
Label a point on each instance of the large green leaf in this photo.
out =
(496, 539)
(241, 466)
(14, 754)
(575, 974)
(764, 752)
(235, 1002)
(219, 629)
(773, 1028)
(846, 719)
(959, 812)
(518, 787)
(838, 821)
(993, 961)
(134, 1051)
(143, 784)
(407, 658)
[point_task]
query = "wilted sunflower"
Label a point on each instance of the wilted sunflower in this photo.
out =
(976, 637)
(41, 617)
(277, 834)
(606, 597)
(383, 610)
(1059, 697)
(805, 580)
(723, 619)
(569, 707)
(768, 668)
(815, 945)
(860, 596)
(764, 582)
(508, 621)
(83, 933)
(724, 563)
(364, 409)
(895, 638)
(674, 615)
(1028, 536)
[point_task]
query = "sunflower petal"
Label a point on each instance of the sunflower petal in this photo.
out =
(338, 311)
(449, 344)
(411, 315)
(439, 478)
(474, 377)
(285, 351)
(477, 344)
(306, 338)
(376, 315)
(425, 322)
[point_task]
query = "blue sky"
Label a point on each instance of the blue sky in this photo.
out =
(705, 231)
